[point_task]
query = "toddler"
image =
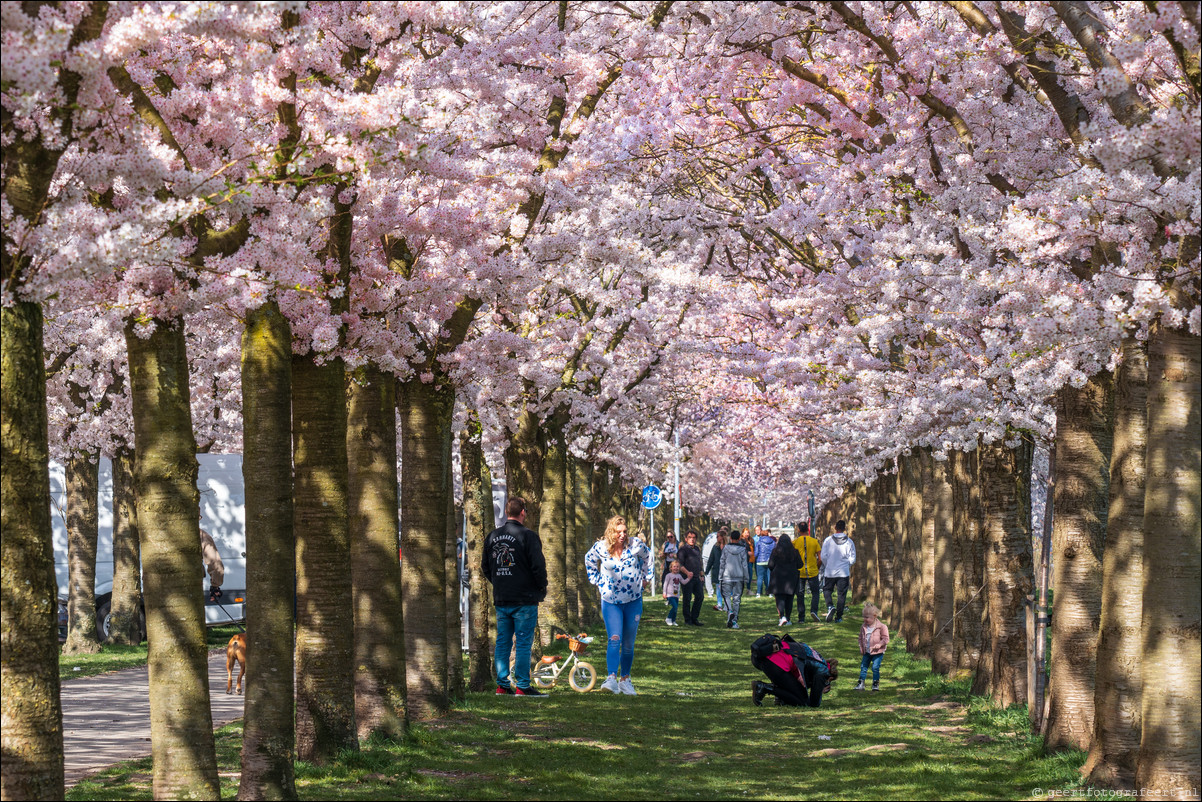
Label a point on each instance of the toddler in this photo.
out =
(672, 582)
(874, 638)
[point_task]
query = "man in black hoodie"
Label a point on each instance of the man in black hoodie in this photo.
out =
(513, 562)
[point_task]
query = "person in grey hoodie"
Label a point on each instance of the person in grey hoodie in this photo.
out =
(733, 574)
(838, 556)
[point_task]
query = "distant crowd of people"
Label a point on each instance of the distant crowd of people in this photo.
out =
(622, 566)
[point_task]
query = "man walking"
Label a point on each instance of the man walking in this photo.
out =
(809, 550)
(513, 562)
(838, 556)
(692, 592)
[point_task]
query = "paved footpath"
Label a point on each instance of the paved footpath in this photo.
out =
(106, 719)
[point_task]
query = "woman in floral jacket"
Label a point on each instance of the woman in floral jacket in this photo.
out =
(621, 568)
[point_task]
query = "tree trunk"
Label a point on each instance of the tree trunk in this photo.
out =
(371, 450)
(269, 731)
(455, 692)
(1169, 745)
(571, 557)
(907, 575)
(1115, 748)
(125, 606)
(425, 410)
(887, 518)
(553, 612)
(181, 722)
(943, 588)
(83, 529)
(33, 721)
(864, 574)
(582, 536)
(1084, 428)
(1006, 498)
(325, 631)
(967, 548)
(524, 466)
(477, 502)
(925, 639)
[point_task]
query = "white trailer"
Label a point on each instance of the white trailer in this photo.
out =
(223, 515)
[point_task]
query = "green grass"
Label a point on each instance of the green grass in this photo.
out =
(692, 733)
(115, 658)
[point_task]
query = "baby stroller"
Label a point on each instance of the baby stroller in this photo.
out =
(799, 675)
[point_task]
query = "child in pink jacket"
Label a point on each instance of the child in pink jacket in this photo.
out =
(874, 638)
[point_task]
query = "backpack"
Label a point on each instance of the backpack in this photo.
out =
(804, 654)
(763, 646)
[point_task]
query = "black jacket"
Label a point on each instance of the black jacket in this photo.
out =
(513, 562)
(785, 570)
(689, 558)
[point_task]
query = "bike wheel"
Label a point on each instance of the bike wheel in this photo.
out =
(583, 677)
(543, 677)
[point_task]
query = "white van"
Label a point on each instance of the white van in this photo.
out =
(223, 515)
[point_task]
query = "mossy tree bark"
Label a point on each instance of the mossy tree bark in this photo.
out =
(889, 523)
(181, 722)
(909, 562)
(83, 529)
(125, 622)
(269, 727)
(1006, 504)
(943, 587)
(1084, 431)
(371, 445)
(1169, 744)
(553, 612)
(525, 458)
(925, 634)
(33, 722)
(477, 500)
(969, 557)
(862, 528)
(453, 591)
(1115, 749)
(582, 536)
(31, 736)
(325, 643)
(425, 413)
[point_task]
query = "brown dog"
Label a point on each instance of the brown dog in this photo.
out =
(235, 652)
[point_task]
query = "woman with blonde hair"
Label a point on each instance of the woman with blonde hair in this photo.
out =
(620, 567)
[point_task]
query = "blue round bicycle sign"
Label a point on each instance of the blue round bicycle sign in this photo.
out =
(652, 496)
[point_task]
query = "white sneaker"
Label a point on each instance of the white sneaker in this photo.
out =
(611, 684)
(626, 687)
(668, 621)
(781, 622)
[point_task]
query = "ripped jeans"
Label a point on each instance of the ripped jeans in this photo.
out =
(621, 626)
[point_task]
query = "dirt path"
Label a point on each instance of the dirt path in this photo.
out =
(106, 719)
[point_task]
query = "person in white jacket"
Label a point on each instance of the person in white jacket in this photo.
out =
(838, 556)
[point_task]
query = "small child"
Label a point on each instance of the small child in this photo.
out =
(874, 639)
(672, 582)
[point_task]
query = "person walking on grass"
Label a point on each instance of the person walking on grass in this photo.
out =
(765, 543)
(692, 592)
(711, 568)
(809, 550)
(621, 569)
(733, 573)
(673, 580)
(782, 583)
(874, 639)
(838, 556)
(513, 563)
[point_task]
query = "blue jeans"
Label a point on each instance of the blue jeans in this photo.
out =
(718, 600)
(622, 626)
(762, 577)
(875, 661)
(515, 629)
(673, 606)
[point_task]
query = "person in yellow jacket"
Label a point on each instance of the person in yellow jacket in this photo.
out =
(810, 549)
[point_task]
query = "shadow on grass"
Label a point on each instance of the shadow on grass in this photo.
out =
(692, 733)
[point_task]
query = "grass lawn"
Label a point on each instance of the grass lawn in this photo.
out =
(115, 658)
(691, 733)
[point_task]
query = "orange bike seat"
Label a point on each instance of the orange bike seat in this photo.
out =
(548, 659)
